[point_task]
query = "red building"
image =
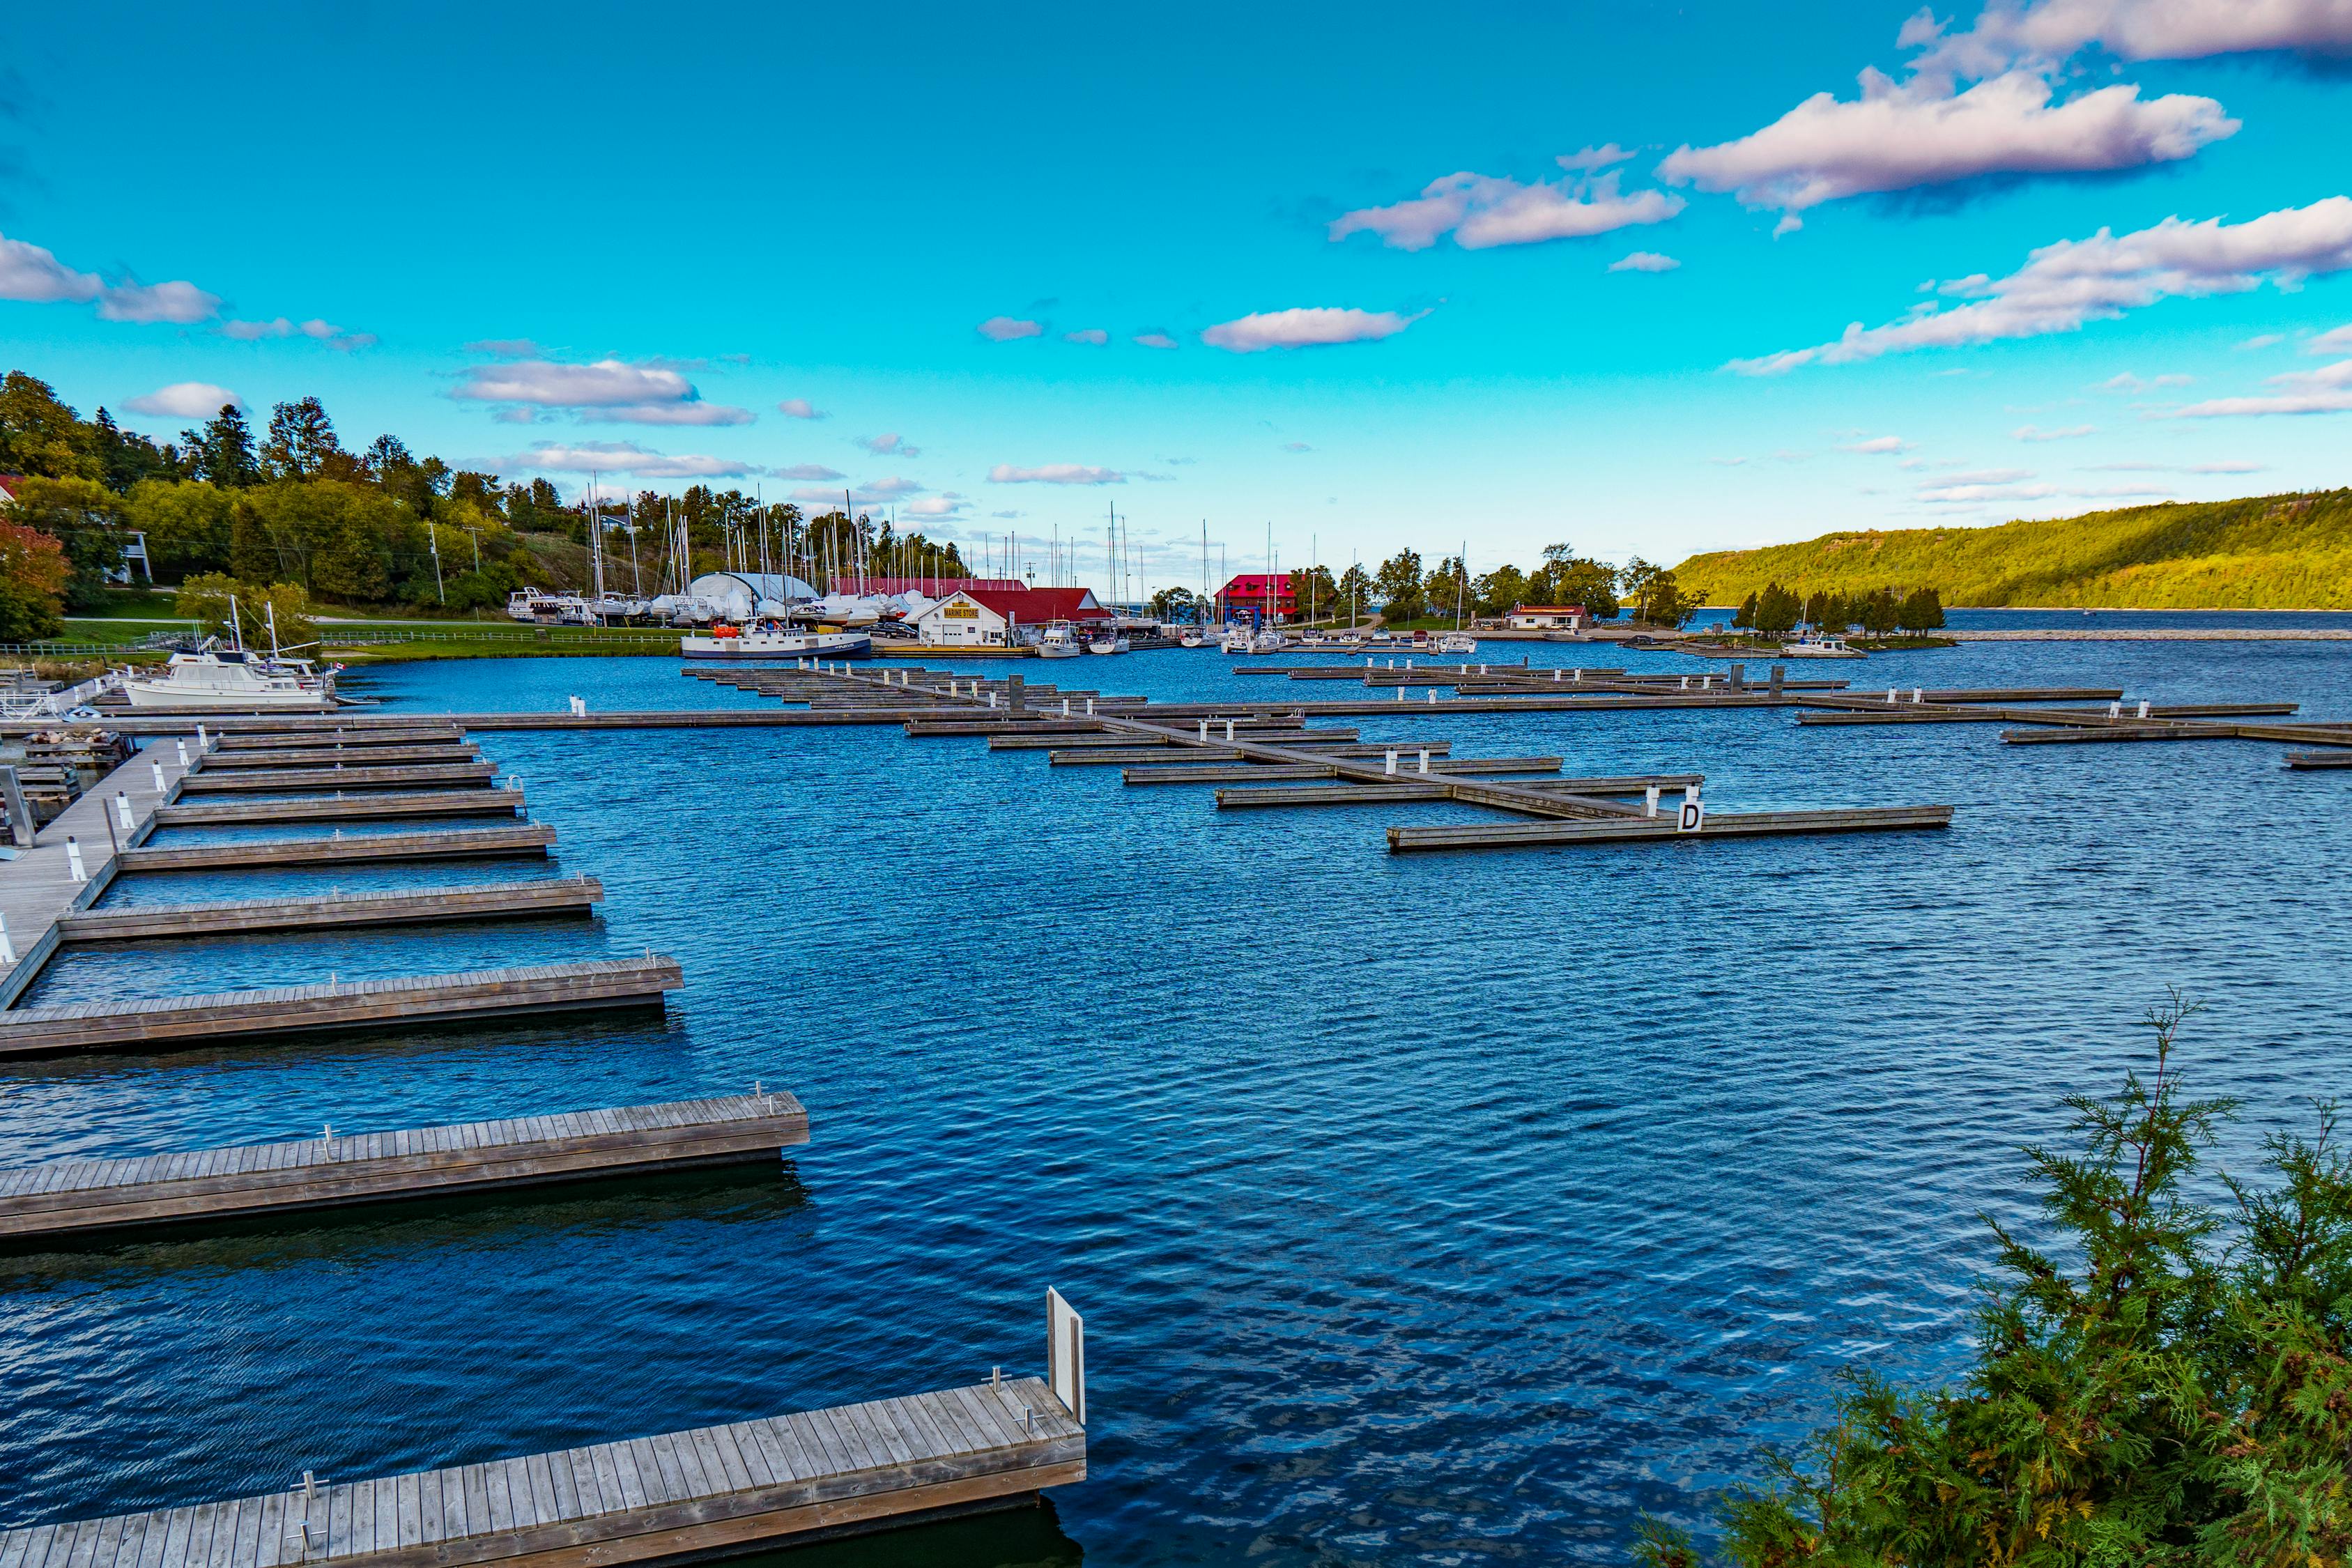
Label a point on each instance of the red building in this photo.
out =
(1258, 592)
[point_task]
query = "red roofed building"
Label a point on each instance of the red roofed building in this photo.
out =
(1003, 617)
(1258, 591)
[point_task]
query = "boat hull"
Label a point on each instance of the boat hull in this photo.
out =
(165, 694)
(823, 646)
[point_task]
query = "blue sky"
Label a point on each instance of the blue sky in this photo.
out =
(670, 235)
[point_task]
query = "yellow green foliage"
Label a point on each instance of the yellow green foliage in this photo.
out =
(2269, 552)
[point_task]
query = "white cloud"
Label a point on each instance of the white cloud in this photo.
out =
(2062, 285)
(2128, 382)
(1307, 328)
(1901, 136)
(1093, 335)
(1483, 210)
(1975, 494)
(184, 400)
(807, 471)
(2336, 340)
(2133, 30)
(1155, 339)
(327, 332)
(1878, 444)
(621, 458)
(1789, 224)
(504, 348)
(34, 275)
(609, 391)
(1054, 474)
(2035, 433)
(2263, 339)
(2174, 468)
(1296, 446)
(945, 504)
(1591, 158)
(1005, 328)
(890, 489)
(2327, 390)
(1644, 261)
(1987, 477)
(801, 409)
(889, 443)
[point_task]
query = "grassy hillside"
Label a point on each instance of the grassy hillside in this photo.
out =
(2267, 552)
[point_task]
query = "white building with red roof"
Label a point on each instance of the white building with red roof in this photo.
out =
(1003, 617)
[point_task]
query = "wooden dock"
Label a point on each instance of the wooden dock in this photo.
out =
(450, 751)
(2320, 759)
(708, 1492)
(539, 897)
(1666, 829)
(179, 1021)
(441, 844)
(368, 807)
(68, 1197)
(291, 781)
(1406, 786)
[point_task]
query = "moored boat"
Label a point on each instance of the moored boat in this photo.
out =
(1813, 646)
(214, 677)
(1059, 640)
(769, 639)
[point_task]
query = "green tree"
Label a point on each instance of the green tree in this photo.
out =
(1357, 593)
(125, 457)
(1878, 613)
(1634, 578)
(222, 452)
(1587, 582)
(1921, 612)
(1397, 584)
(1746, 614)
(2171, 1384)
(206, 599)
(186, 523)
(1662, 604)
(1173, 603)
(1447, 587)
(1776, 611)
(1501, 589)
(303, 445)
(41, 437)
(1316, 592)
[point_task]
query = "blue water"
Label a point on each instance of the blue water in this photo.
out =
(1449, 1209)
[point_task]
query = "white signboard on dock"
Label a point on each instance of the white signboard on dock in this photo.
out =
(1066, 1354)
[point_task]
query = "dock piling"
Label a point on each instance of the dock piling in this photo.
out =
(1650, 801)
(73, 860)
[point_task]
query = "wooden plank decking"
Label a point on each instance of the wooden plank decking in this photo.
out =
(364, 807)
(61, 1197)
(536, 897)
(291, 779)
(1726, 825)
(699, 1493)
(449, 750)
(443, 844)
(351, 1005)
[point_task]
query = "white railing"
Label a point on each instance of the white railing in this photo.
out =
(57, 704)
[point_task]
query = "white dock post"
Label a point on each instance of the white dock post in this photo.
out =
(2114, 709)
(1400, 692)
(1432, 694)
(203, 741)
(1424, 758)
(73, 860)
(1685, 685)
(1392, 760)
(7, 948)
(157, 769)
(183, 747)
(1917, 696)
(122, 809)
(2143, 707)
(1650, 800)
(1204, 732)
(1229, 732)
(1066, 707)
(1890, 694)
(1577, 674)
(1090, 707)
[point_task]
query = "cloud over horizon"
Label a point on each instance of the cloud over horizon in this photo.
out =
(1482, 210)
(34, 276)
(1315, 327)
(622, 458)
(2064, 286)
(1054, 474)
(184, 400)
(608, 390)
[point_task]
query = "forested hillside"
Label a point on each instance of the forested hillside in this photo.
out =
(2267, 552)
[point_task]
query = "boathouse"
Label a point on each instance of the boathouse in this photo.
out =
(1000, 617)
(1549, 617)
(1255, 592)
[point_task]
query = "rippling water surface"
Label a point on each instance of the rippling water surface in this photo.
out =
(1448, 1209)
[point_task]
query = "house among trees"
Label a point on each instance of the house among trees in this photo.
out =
(1548, 618)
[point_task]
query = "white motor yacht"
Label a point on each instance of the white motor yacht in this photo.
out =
(1235, 640)
(214, 677)
(1457, 642)
(1268, 641)
(1059, 640)
(1813, 646)
(1108, 643)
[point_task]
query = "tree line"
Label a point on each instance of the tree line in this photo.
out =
(1401, 589)
(1777, 611)
(290, 505)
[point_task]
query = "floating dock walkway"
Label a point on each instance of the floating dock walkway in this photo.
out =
(706, 1492)
(1264, 743)
(77, 1198)
(539, 897)
(443, 844)
(370, 807)
(181, 1021)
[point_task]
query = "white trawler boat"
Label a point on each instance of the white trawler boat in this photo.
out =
(1457, 642)
(1059, 640)
(234, 677)
(1811, 646)
(767, 639)
(1235, 640)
